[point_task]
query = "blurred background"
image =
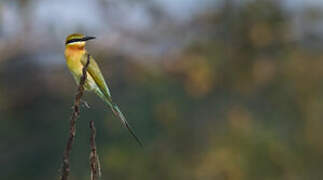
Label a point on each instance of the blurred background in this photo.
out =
(217, 89)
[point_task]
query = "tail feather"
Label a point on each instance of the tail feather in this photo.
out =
(117, 112)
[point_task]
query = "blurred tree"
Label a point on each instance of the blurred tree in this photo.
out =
(239, 97)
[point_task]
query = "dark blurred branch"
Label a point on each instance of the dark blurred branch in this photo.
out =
(75, 115)
(94, 158)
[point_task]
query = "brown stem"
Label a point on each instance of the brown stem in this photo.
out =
(94, 158)
(75, 114)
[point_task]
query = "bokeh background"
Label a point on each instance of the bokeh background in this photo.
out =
(217, 89)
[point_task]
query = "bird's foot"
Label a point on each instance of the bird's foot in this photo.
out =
(85, 104)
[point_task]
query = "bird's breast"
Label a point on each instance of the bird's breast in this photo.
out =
(73, 60)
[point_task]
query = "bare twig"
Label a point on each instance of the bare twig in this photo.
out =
(94, 158)
(75, 114)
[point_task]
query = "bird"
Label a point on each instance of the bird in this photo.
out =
(76, 57)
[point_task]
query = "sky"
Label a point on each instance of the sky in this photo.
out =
(121, 22)
(61, 13)
(73, 13)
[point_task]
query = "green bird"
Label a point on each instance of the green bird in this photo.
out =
(76, 58)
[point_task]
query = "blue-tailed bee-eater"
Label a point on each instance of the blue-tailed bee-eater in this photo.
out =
(76, 58)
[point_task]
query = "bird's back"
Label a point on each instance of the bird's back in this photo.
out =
(95, 73)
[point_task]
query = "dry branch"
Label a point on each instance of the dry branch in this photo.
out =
(94, 158)
(75, 115)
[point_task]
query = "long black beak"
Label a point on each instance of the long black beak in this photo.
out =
(86, 38)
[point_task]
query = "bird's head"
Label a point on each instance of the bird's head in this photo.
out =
(77, 40)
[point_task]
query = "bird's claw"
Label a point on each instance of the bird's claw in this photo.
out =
(85, 104)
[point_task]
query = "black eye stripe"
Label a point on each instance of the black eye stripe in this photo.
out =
(74, 40)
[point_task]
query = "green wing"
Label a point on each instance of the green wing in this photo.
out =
(95, 72)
